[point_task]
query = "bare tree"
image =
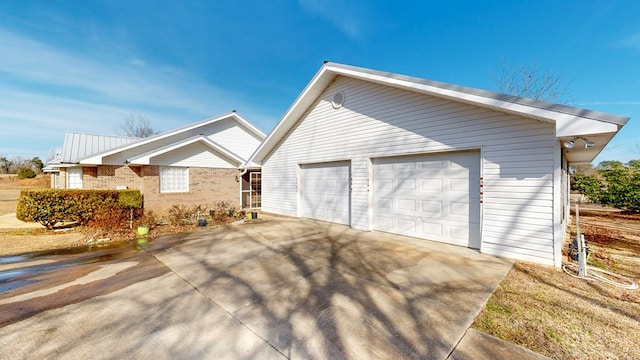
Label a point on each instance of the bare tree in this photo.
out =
(5, 165)
(54, 153)
(531, 82)
(136, 125)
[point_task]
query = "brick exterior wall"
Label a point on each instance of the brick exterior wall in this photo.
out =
(207, 186)
(106, 177)
(63, 178)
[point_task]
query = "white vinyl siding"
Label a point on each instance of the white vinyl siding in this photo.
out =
(517, 158)
(74, 178)
(226, 133)
(194, 155)
(174, 179)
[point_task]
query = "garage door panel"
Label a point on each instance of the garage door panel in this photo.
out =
(459, 209)
(432, 164)
(432, 229)
(406, 225)
(431, 207)
(407, 205)
(405, 184)
(434, 197)
(461, 185)
(431, 185)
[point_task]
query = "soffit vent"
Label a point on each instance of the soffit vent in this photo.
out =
(338, 100)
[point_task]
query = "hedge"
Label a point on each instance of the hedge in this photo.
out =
(49, 206)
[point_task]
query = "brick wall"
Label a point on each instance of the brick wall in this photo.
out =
(207, 186)
(106, 177)
(63, 178)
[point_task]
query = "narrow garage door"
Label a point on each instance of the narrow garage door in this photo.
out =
(324, 191)
(434, 197)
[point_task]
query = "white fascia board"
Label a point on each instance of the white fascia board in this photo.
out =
(300, 104)
(583, 127)
(97, 158)
(145, 158)
(249, 126)
(566, 124)
(93, 160)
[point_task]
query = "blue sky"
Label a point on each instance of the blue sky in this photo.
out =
(86, 65)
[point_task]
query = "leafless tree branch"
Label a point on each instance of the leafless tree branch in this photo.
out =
(136, 125)
(530, 82)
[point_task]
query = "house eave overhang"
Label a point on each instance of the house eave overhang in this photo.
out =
(568, 121)
(146, 158)
(97, 159)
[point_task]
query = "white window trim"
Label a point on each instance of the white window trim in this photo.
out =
(178, 185)
(74, 171)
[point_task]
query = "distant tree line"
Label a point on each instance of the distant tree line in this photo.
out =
(614, 184)
(25, 168)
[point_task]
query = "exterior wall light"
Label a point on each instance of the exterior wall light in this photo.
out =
(587, 144)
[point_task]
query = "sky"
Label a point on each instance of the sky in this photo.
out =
(85, 66)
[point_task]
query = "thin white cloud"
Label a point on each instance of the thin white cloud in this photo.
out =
(137, 62)
(45, 91)
(41, 64)
(632, 41)
(344, 15)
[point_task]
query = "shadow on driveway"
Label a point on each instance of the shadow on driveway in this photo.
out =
(278, 288)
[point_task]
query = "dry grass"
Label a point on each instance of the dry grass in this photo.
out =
(10, 187)
(545, 310)
(14, 242)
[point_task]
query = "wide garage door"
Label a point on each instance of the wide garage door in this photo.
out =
(324, 191)
(435, 197)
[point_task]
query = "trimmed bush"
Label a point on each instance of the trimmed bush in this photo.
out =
(26, 173)
(49, 206)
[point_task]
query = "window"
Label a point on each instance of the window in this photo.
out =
(174, 179)
(74, 178)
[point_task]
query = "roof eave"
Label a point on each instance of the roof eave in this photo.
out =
(145, 159)
(98, 158)
(568, 121)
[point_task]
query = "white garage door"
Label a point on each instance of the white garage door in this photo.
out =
(435, 197)
(324, 191)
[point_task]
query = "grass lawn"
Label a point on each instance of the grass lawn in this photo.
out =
(549, 312)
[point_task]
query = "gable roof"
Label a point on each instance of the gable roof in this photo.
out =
(97, 157)
(569, 121)
(145, 159)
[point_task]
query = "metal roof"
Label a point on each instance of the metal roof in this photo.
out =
(78, 145)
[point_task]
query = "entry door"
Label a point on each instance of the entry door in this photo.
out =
(325, 192)
(435, 197)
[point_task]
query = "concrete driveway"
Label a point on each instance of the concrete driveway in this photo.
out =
(277, 288)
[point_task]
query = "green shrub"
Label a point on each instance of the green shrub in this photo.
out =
(26, 173)
(588, 185)
(130, 199)
(622, 184)
(49, 206)
(616, 184)
(44, 207)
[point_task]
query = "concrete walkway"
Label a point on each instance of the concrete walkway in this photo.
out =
(9, 221)
(282, 288)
